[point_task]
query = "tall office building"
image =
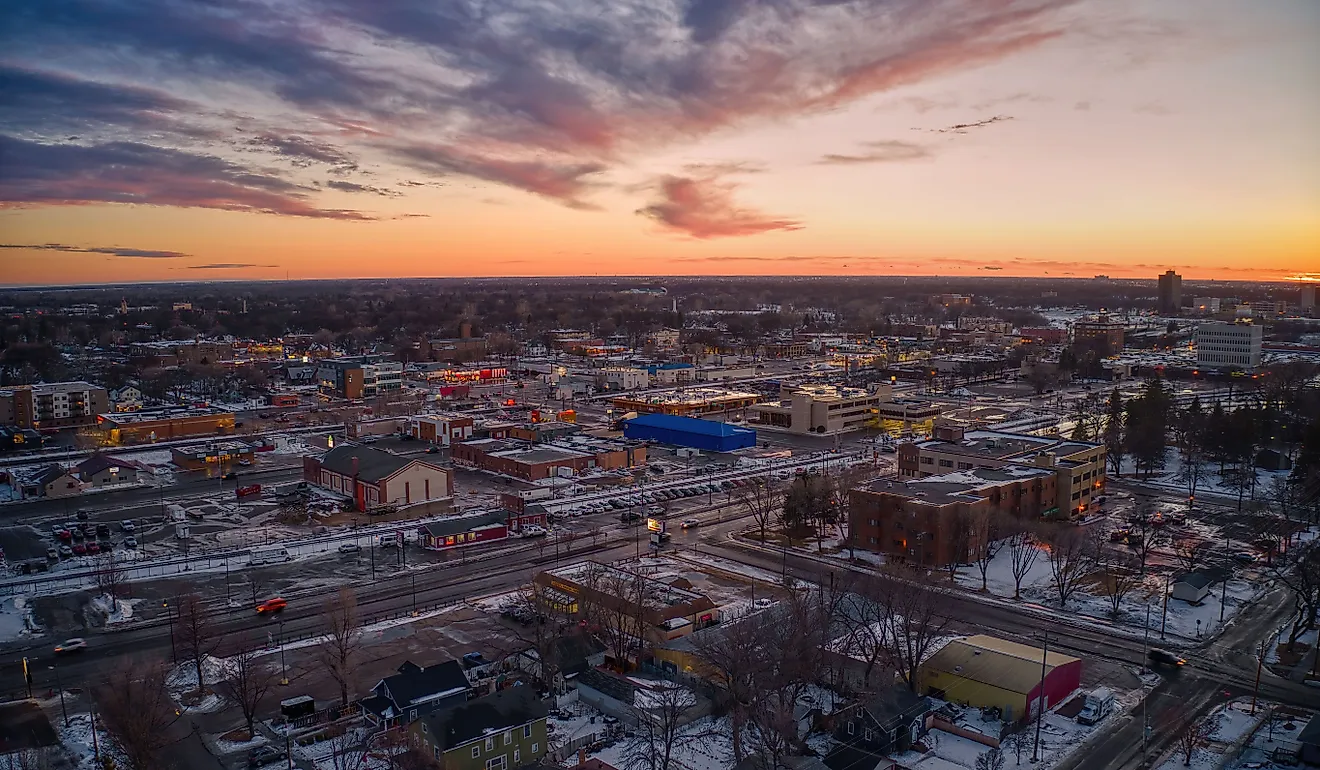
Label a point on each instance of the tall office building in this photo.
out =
(1308, 299)
(1228, 346)
(1170, 293)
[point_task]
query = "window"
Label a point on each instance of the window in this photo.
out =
(852, 728)
(412, 717)
(476, 751)
(535, 748)
(490, 744)
(927, 461)
(508, 737)
(527, 731)
(946, 463)
(498, 763)
(517, 756)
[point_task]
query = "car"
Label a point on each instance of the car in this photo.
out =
(83, 515)
(1178, 518)
(130, 542)
(349, 548)
(127, 525)
(106, 545)
(533, 531)
(690, 523)
(53, 553)
(230, 476)
(1119, 535)
(79, 549)
(433, 450)
(65, 552)
(1245, 557)
(64, 535)
(628, 516)
(1165, 658)
(103, 530)
(93, 547)
(272, 606)
(265, 755)
(70, 646)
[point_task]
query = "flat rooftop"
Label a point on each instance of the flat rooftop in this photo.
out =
(690, 396)
(153, 415)
(959, 486)
(1003, 445)
(658, 593)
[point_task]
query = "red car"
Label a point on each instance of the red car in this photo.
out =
(271, 606)
(79, 549)
(93, 547)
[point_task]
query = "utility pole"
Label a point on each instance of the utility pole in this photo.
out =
(1164, 615)
(1255, 690)
(60, 687)
(1040, 710)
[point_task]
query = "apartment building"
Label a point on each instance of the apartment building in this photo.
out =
(1078, 466)
(359, 377)
(1228, 346)
(927, 521)
(53, 405)
(821, 408)
(1100, 334)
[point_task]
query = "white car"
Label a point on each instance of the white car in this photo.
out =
(533, 531)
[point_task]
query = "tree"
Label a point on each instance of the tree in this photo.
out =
(1301, 575)
(1192, 733)
(917, 619)
(110, 578)
(543, 637)
(987, 543)
(1120, 577)
(248, 681)
(1072, 557)
(1148, 536)
(1113, 435)
(613, 606)
(1190, 551)
(990, 760)
(660, 712)
(337, 652)
(196, 634)
(1193, 470)
(136, 712)
(761, 499)
(1016, 742)
(1022, 555)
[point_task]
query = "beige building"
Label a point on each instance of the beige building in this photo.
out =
(821, 408)
(1079, 466)
(54, 404)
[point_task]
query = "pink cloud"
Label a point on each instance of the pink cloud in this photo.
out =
(705, 208)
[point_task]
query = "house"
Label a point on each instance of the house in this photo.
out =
(1192, 587)
(52, 481)
(891, 721)
(101, 470)
(989, 673)
(501, 731)
(126, 399)
(464, 529)
(1309, 741)
(571, 655)
(373, 477)
(415, 692)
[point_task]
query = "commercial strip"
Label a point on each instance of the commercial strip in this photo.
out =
(561, 457)
(690, 402)
(1079, 466)
(822, 409)
(146, 426)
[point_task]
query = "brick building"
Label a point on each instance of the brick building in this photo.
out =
(528, 461)
(373, 477)
(53, 405)
(163, 424)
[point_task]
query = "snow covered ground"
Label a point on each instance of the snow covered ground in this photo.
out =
(1234, 723)
(16, 619)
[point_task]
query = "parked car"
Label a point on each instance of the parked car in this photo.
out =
(93, 547)
(64, 535)
(70, 646)
(1245, 557)
(265, 755)
(690, 523)
(103, 529)
(272, 606)
(433, 450)
(628, 516)
(106, 545)
(130, 542)
(53, 553)
(127, 525)
(83, 515)
(349, 548)
(533, 531)
(79, 549)
(1165, 658)
(65, 552)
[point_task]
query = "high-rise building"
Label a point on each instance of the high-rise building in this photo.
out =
(1308, 299)
(1228, 346)
(1170, 293)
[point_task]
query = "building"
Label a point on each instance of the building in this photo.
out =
(1170, 296)
(821, 408)
(1100, 334)
(1206, 305)
(561, 458)
(692, 402)
(664, 339)
(180, 353)
(126, 399)
(1192, 587)
(986, 672)
(53, 405)
(215, 457)
(441, 429)
(889, 722)
(1308, 299)
(359, 377)
(1044, 334)
(661, 611)
(501, 731)
(165, 423)
(467, 529)
(415, 692)
(1078, 466)
(1308, 741)
(623, 378)
(1228, 346)
(373, 478)
(907, 414)
(950, 300)
(101, 470)
(691, 432)
(931, 521)
(53, 481)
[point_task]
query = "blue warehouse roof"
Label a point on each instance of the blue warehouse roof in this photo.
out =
(688, 425)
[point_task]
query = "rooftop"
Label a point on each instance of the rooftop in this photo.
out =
(162, 413)
(687, 424)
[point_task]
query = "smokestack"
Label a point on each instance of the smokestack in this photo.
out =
(582, 756)
(465, 330)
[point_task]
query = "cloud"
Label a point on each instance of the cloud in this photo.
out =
(225, 266)
(353, 187)
(704, 208)
(131, 172)
(113, 251)
(886, 151)
(56, 103)
(540, 96)
(962, 128)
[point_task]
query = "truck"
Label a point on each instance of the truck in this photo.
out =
(269, 556)
(1099, 704)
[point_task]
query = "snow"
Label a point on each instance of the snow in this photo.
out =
(230, 747)
(77, 740)
(1234, 725)
(702, 745)
(115, 612)
(947, 752)
(16, 619)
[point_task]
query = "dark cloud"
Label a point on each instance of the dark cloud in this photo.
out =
(35, 100)
(705, 208)
(886, 151)
(131, 172)
(225, 266)
(113, 251)
(353, 187)
(962, 128)
(534, 95)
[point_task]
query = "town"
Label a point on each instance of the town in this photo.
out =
(661, 524)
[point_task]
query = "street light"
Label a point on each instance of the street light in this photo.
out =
(60, 687)
(174, 655)
(284, 676)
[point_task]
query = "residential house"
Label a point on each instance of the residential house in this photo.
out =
(415, 692)
(52, 481)
(571, 654)
(1192, 587)
(500, 731)
(891, 721)
(126, 399)
(101, 470)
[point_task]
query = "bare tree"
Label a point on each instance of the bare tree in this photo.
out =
(1301, 575)
(1072, 557)
(1016, 742)
(960, 532)
(917, 619)
(542, 638)
(248, 681)
(1190, 551)
(614, 605)
(761, 500)
(985, 528)
(1148, 537)
(1023, 552)
(196, 634)
(732, 658)
(1118, 581)
(660, 712)
(136, 712)
(990, 760)
(1192, 733)
(110, 578)
(338, 651)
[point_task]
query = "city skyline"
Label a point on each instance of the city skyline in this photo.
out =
(166, 142)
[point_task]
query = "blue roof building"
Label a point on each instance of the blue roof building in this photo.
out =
(689, 432)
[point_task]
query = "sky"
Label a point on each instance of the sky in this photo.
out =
(167, 140)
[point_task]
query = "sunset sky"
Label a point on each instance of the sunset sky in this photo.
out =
(192, 140)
